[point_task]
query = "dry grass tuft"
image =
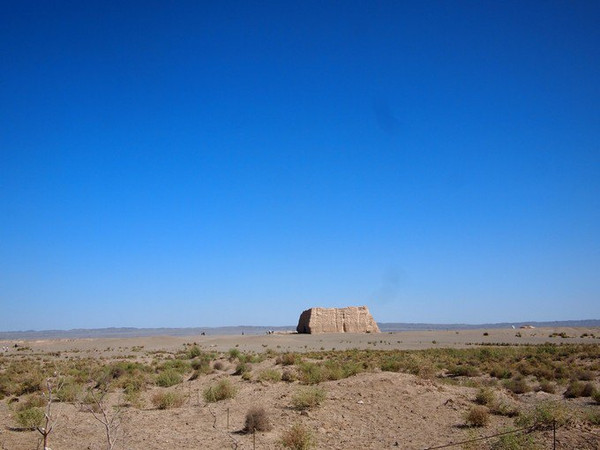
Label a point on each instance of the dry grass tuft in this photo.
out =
(478, 416)
(257, 419)
(298, 438)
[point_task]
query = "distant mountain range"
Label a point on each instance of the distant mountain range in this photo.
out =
(254, 330)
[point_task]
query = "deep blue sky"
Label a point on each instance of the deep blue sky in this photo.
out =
(224, 163)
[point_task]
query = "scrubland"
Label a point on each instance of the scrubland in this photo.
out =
(197, 395)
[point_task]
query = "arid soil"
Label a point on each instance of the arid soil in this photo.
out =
(405, 340)
(373, 410)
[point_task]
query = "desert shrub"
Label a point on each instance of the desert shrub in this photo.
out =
(134, 383)
(257, 419)
(585, 375)
(504, 408)
(547, 386)
(485, 397)
(234, 353)
(545, 414)
(169, 377)
(219, 365)
(500, 372)
(242, 368)
(168, 399)
(287, 359)
(478, 416)
(133, 398)
(247, 376)
(308, 398)
(311, 373)
(69, 391)
(391, 364)
(33, 400)
(289, 375)
(270, 375)
(579, 389)
(89, 401)
(175, 365)
(30, 384)
(194, 352)
(596, 396)
(515, 441)
(517, 385)
(464, 371)
(314, 373)
(592, 416)
(220, 391)
(297, 438)
(201, 365)
(29, 417)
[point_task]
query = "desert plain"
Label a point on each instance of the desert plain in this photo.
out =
(411, 390)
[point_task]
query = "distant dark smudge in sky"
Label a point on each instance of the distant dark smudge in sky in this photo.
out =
(391, 284)
(385, 117)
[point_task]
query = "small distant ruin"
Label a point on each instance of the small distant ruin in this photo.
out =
(352, 319)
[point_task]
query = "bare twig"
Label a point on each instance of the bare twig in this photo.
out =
(50, 418)
(111, 420)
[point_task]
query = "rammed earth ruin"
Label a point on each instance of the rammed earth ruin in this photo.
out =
(352, 319)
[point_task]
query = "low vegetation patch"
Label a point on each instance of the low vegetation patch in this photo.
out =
(485, 397)
(517, 385)
(168, 399)
(579, 389)
(257, 419)
(29, 417)
(298, 437)
(308, 397)
(221, 391)
(169, 377)
(515, 441)
(478, 416)
(545, 414)
(270, 376)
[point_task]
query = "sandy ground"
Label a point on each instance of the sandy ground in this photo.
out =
(375, 410)
(403, 340)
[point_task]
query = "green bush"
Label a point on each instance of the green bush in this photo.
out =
(178, 365)
(270, 376)
(220, 391)
(30, 417)
(308, 398)
(194, 352)
(234, 353)
(515, 441)
(545, 414)
(464, 371)
(69, 392)
(169, 377)
(242, 368)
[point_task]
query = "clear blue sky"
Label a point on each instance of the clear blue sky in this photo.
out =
(224, 163)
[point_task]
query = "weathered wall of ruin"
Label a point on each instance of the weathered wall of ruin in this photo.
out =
(352, 319)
